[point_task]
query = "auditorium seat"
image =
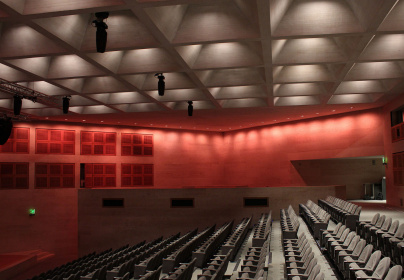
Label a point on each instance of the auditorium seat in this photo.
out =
(370, 236)
(302, 272)
(394, 273)
(377, 239)
(361, 224)
(361, 259)
(379, 272)
(314, 272)
(367, 267)
(354, 254)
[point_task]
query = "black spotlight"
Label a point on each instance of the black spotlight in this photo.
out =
(6, 126)
(17, 104)
(190, 108)
(66, 104)
(101, 34)
(161, 85)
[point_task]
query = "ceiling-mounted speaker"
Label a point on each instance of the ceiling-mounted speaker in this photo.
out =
(17, 105)
(66, 104)
(6, 126)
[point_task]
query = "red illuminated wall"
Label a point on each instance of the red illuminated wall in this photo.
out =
(255, 158)
(262, 157)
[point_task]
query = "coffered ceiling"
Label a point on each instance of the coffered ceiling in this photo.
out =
(243, 63)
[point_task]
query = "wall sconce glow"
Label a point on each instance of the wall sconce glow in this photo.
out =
(384, 159)
(31, 211)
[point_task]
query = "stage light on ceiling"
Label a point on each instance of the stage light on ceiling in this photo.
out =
(101, 34)
(190, 108)
(17, 105)
(161, 84)
(66, 104)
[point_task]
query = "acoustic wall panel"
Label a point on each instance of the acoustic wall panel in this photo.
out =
(137, 175)
(134, 144)
(18, 142)
(98, 143)
(100, 175)
(54, 175)
(14, 175)
(55, 141)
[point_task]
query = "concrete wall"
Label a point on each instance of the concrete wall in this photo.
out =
(351, 172)
(147, 213)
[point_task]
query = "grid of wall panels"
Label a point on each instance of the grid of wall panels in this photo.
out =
(137, 175)
(54, 175)
(98, 143)
(18, 142)
(55, 141)
(14, 175)
(99, 175)
(134, 144)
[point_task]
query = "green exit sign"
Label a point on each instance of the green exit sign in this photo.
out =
(31, 211)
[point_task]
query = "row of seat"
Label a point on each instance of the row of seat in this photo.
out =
(354, 258)
(103, 267)
(236, 238)
(385, 235)
(262, 231)
(300, 262)
(289, 223)
(315, 217)
(99, 265)
(211, 245)
(183, 272)
(253, 265)
(184, 253)
(341, 211)
(156, 259)
(216, 268)
(126, 262)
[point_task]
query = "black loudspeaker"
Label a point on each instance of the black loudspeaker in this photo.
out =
(17, 105)
(190, 108)
(6, 126)
(101, 39)
(161, 85)
(66, 103)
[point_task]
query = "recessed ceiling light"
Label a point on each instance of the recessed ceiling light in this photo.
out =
(288, 118)
(119, 122)
(302, 116)
(166, 125)
(46, 118)
(274, 120)
(84, 120)
(333, 110)
(65, 119)
(102, 121)
(351, 107)
(317, 113)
